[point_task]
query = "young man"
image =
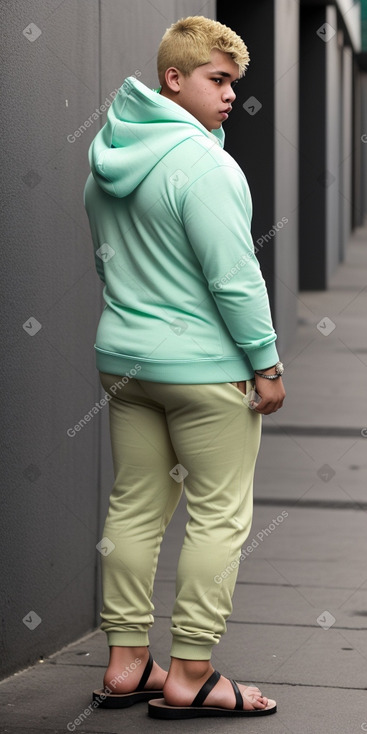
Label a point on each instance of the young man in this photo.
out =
(185, 333)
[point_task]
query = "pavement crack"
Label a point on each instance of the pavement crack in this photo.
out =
(304, 685)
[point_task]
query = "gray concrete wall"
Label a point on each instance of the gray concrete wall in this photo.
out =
(60, 60)
(359, 95)
(50, 492)
(333, 146)
(361, 147)
(346, 153)
(329, 165)
(286, 84)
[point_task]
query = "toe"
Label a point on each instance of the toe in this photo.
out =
(270, 703)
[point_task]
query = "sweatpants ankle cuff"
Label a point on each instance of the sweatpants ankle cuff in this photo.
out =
(186, 651)
(127, 639)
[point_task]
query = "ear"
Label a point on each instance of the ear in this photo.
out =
(172, 78)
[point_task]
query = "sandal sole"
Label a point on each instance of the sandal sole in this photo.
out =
(123, 700)
(159, 709)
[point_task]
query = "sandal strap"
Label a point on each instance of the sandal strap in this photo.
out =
(237, 693)
(146, 673)
(206, 688)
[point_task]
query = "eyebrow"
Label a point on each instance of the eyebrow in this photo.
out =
(224, 73)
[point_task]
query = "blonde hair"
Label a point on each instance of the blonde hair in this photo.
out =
(188, 43)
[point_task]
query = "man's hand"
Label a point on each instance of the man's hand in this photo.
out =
(272, 394)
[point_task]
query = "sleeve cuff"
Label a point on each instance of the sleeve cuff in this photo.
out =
(264, 357)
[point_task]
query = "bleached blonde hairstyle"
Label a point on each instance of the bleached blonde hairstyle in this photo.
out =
(188, 43)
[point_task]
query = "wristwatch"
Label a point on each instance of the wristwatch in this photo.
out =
(279, 369)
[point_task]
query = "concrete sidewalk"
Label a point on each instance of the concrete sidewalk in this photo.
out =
(299, 621)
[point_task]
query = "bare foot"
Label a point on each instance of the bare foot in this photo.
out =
(180, 690)
(126, 667)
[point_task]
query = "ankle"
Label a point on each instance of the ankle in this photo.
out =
(127, 655)
(124, 669)
(190, 669)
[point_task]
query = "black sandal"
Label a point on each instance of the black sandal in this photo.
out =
(159, 709)
(122, 700)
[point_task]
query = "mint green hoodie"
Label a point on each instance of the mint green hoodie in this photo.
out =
(170, 214)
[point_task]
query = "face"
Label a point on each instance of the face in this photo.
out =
(208, 92)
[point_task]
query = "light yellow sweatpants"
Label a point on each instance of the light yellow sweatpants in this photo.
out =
(166, 438)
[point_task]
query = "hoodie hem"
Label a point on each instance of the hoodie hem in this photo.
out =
(174, 372)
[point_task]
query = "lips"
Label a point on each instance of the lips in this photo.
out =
(224, 113)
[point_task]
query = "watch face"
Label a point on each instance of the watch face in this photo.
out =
(279, 368)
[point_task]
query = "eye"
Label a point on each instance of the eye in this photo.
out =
(234, 83)
(217, 79)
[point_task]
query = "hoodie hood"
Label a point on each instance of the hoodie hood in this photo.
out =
(136, 136)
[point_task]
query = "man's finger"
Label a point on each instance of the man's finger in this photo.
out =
(267, 408)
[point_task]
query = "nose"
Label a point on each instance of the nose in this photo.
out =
(229, 94)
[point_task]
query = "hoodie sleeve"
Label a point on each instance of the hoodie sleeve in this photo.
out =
(88, 204)
(99, 266)
(217, 212)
